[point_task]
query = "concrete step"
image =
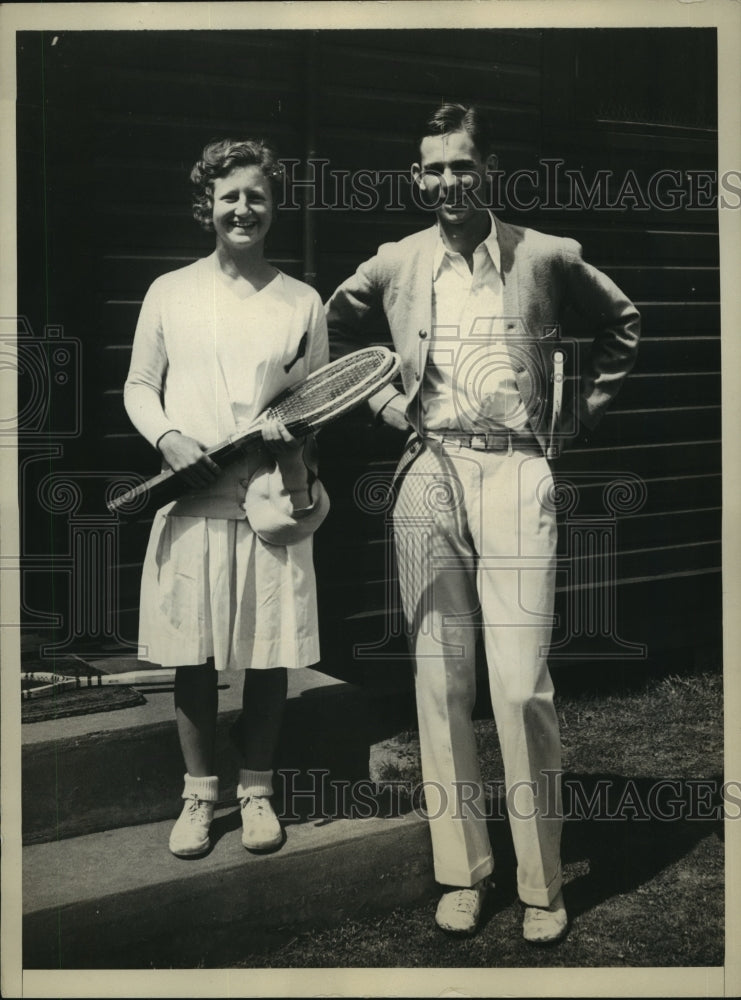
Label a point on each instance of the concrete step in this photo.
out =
(119, 899)
(121, 768)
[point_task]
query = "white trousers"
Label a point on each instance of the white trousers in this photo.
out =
(476, 545)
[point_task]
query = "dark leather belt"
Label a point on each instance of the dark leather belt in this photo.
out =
(499, 441)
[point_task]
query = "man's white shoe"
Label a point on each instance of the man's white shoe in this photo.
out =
(545, 924)
(190, 835)
(458, 911)
(260, 827)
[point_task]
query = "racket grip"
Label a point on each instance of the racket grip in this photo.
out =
(148, 497)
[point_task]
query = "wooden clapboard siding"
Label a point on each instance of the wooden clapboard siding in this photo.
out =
(121, 116)
(104, 194)
(373, 95)
(665, 424)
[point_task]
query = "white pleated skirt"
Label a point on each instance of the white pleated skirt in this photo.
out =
(212, 589)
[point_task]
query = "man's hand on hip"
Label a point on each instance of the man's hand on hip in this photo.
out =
(393, 414)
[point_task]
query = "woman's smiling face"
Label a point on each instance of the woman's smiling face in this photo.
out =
(243, 208)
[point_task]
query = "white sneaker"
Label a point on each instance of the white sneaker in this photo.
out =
(190, 835)
(545, 924)
(458, 911)
(260, 827)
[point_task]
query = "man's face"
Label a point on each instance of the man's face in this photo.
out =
(449, 167)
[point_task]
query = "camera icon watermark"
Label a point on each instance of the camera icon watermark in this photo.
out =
(47, 371)
(494, 373)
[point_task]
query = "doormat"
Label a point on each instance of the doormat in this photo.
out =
(44, 699)
(85, 701)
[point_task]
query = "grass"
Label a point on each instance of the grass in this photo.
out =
(640, 892)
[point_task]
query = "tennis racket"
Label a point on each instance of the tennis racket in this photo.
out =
(47, 684)
(326, 394)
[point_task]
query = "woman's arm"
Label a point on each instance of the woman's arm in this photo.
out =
(147, 372)
(318, 347)
(143, 400)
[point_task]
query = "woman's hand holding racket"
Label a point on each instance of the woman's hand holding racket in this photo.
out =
(324, 395)
(278, 439)
(288, 452)
(188, 459)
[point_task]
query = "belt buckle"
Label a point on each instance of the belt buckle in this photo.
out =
(479, 442)
(446, 441)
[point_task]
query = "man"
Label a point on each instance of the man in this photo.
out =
(473, 305)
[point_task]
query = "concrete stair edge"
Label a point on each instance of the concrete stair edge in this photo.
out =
(84, 781)
(109, 898)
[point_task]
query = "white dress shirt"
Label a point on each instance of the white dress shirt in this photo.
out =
(469, 382)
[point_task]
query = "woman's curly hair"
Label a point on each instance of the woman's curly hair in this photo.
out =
(220, 158)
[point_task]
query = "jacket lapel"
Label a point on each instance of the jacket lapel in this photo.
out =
(532, 374)
(416, 329)
(510, 283)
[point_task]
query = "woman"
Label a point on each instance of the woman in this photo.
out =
(228, 579)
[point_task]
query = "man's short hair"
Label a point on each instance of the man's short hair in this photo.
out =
(460, 118)
(219, 159)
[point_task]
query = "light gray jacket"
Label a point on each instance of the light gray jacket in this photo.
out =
(542, 275)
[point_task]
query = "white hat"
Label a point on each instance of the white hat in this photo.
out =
(270, 512)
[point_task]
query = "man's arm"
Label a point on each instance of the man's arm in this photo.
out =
(616, 324)
(351, 311)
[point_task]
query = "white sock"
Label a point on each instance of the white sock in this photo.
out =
(206, 789)
(254, 783)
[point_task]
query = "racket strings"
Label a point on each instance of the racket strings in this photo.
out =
(321, 392)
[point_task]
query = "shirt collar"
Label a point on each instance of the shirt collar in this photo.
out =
(491, 243)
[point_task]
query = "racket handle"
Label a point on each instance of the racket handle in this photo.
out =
(167, 486)
(147, 497)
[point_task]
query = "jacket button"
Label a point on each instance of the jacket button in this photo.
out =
(423, 334)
